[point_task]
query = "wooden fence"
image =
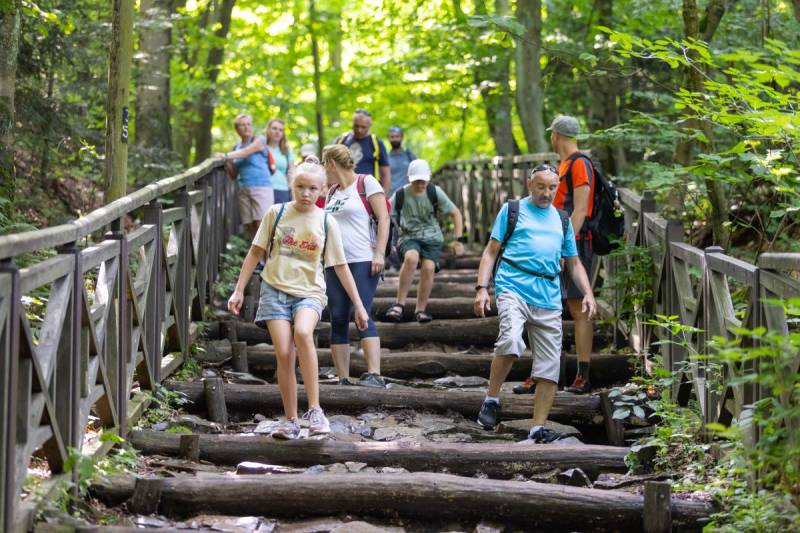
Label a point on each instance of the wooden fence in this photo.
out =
(693, 284)
(119, 289)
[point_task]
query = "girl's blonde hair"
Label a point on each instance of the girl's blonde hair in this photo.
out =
(309, 167)
(338, 153)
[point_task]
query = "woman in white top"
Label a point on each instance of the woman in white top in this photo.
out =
(358, 203)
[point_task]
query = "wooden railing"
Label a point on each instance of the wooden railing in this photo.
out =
(696, 285)
(120, 289)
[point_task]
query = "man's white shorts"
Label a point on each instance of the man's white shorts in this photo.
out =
(544, 334)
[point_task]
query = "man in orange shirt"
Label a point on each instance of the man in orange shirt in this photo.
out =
(574, 195)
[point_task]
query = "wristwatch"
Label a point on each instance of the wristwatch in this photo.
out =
(462, 239)
(479, 287)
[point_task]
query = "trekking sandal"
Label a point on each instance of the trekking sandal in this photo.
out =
(394, 313)
(422, 317)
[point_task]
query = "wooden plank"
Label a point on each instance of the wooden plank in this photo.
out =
(45, 272)
(497, 460)
(785, 262)
(657, 507)
(534, 506)
(741, 271)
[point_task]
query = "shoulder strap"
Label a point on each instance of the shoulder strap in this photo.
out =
(511, 225)
(274, 227)
(361, 187)
(399, 198)
(430, 190)
(332, 189)
(376, 153)
(325, 237)
(271, 161)
(564, 220)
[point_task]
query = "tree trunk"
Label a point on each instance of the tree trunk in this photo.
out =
(577, 410)
(604, 94)
(117, 113)
(694, 29)
(499, 461)
(421, 496)
(606, 369)
(530, 98)
(9, 48)
(153, 99)
(491, 78)
(312, 19)
(796, 5)
(206, 101)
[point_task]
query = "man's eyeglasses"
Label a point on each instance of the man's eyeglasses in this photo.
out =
(542, 167)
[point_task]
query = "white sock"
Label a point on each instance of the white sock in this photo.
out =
(495, 399)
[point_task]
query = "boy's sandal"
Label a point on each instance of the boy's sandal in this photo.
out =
(394, 313)
(422, 317)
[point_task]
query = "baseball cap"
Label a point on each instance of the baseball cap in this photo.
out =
(395, 129)
(419, 170)
(565, 125)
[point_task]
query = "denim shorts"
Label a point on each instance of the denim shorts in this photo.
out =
(277, 305)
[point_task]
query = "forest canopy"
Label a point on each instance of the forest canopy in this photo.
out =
(692, 99)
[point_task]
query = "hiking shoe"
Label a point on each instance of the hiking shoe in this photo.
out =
(544, 435)
(528, 387)
(581, 385)
(344, 381)
(317, 422)
(490, 412)
(368, 379)
(287, 430)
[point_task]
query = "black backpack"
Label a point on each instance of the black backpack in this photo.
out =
(607, 223)
(399, 198)
(513, 216)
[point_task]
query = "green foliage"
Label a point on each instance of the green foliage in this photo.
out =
(631, 285)
(163, 405)
(190, 369)
(232, 259)
(183, 430)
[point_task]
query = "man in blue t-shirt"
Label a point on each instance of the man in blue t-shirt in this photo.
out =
(369, 153)
(529, 295)
(399, 158)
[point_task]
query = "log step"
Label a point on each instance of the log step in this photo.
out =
(606, 369)
(495, 460)
(534, 506)
(576, 410)
(388, 289)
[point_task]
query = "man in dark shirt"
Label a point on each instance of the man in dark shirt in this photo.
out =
(369, 153)
(399, 158)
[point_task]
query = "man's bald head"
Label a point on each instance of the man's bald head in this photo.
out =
(542, 185)
(362, 122)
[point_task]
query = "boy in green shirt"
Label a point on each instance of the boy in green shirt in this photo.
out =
(415, 207)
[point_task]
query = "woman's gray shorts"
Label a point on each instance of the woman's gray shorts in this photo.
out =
(544, 334)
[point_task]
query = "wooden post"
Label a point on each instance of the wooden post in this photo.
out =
(146, 496)
(615, 432)
(657, 507)
(190, 447)
(228, 331)
(239, 353)
(9, 366)
(153, 214)
(117, 114)
(215, 400)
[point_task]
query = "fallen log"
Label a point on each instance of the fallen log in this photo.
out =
(576, 410)
(388, 289)
(606, 369)
(501, 461)
(535, 506)
(440, 308)
(445, 276)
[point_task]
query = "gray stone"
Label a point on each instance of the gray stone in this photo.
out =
(354, 466)
(259, 418)
(384, 434)
(244, 378)
(574, 477)
(267, 427)
(337, 468)
(359, 527)
(485, 526)
(462, 381)
(161, 426)
(196, 424)
(249, 467)
(520, 428)
(392, 470)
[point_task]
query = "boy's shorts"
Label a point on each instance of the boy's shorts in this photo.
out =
(544, 334)
(426, 249)
(277, 305)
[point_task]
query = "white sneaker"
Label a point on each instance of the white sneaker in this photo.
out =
(287, 430)
(317, 422)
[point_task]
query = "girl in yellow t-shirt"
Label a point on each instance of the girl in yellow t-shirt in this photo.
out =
(297, 240)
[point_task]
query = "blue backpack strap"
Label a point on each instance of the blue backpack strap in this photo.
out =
(274, 227)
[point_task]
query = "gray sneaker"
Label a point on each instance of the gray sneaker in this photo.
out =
(317, 422)
(287, 430)
(368, 379)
